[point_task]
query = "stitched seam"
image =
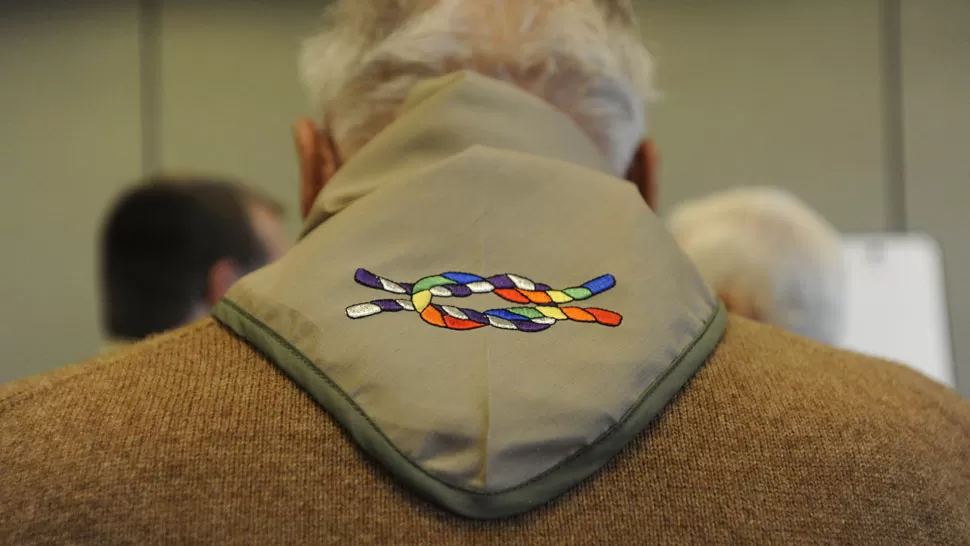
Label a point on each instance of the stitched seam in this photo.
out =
(642, 400)
(301, 358)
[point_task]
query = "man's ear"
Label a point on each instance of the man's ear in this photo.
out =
(318, 158)
(643, 172)
(222, 275)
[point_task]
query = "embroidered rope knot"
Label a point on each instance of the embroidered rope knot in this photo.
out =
(549, 304)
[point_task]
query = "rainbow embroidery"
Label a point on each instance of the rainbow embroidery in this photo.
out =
(549, 305)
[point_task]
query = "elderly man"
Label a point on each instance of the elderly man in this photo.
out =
(481, 338)
(768, 257)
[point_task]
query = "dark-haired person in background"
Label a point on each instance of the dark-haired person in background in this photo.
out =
(171, 247)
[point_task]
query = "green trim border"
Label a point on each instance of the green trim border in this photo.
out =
(469, 503)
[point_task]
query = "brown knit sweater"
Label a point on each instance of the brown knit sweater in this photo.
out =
(195, 438)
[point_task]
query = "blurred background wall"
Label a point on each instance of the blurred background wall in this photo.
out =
(70, 139)
(858, 107)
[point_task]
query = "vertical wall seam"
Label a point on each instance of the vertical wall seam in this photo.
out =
(893, 124)
(150, 67)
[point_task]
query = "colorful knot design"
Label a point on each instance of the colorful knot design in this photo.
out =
(549, 304)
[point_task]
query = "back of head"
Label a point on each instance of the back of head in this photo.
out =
(768, 256)
(158, 244)
(583, 56)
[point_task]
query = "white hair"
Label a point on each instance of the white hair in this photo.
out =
(766, 249)
(583, 56)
